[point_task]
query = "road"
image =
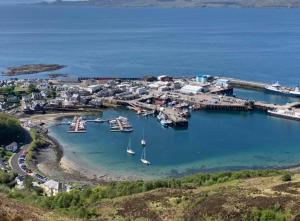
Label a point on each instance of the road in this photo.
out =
(14, 161)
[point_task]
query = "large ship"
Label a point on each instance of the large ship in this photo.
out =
(285, 113)
(276, 89)
(295, 92)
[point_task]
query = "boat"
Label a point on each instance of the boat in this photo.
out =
(160, 116)
(129, 150)
(285, 113)
(143, 157)
(143, 141)
(295, 92)
(164, 123)
(276, 88)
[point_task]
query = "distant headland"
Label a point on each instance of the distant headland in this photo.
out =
(31, 69)
(181, 3)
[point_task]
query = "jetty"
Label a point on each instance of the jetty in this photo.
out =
(120, 124)
(77, 126)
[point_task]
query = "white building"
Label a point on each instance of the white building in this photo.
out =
(52, 187)
(191, 89)
(13, 147)
(93, 88)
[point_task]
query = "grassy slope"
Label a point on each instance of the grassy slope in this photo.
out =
(12, 210)
(228, 201)
(231, 201)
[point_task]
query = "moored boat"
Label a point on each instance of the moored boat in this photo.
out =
(285, 113)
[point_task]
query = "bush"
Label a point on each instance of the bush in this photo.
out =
(286, 177)
(266, 215)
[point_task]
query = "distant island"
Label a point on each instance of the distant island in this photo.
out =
(181, 3)
(31, 69)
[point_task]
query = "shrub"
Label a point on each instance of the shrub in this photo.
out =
(286, 177)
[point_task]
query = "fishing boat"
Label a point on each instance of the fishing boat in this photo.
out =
(129, 149)
(143, 158)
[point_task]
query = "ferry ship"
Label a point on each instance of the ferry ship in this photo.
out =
(285, 113)
(295, 92)
(277, 89)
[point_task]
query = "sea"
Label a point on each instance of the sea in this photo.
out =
(252, 44)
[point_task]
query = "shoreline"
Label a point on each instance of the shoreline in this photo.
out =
(68, 169)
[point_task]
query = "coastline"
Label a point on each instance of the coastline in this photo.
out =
(66, 168)
(54, 163)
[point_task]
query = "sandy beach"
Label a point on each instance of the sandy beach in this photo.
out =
(52, 162)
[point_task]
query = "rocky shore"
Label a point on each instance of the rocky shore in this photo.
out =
(31, 69)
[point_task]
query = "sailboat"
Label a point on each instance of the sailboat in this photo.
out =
(143, 141)
(143, 157)
(129, 150)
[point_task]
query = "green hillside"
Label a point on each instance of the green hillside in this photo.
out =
(10, 130)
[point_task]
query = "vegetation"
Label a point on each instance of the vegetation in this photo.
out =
(286, 177)
(5, 155)
(197, 197)
(6, 178)
(37, 142)
(81, 203)
(11, 130)
(266, 215)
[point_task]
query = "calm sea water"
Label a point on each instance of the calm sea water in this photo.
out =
(214, 141)
(256, 44)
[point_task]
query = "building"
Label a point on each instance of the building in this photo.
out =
(222, 83)
(164, 78)
(52, 187)
(13, 147)
(93, 88)
(191, 89)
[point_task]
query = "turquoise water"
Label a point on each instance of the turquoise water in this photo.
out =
(256, 44)
(214, 141)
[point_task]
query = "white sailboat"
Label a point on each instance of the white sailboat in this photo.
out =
(143, 141)
(129, 150)
(143, 157)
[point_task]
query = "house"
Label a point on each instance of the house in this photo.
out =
(20, 182)
(13, 147)
(36, 96)
(93, 88)
(2, 98)
(52, 187)
(12, 99)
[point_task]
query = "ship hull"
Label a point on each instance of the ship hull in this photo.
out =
(284, 116)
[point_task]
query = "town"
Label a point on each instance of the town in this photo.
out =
(171, 99)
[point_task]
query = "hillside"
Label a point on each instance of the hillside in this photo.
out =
(12, 210)
(182, 3)
(246, 195)
(10, 130)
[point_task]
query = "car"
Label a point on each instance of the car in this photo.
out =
(21, 161)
